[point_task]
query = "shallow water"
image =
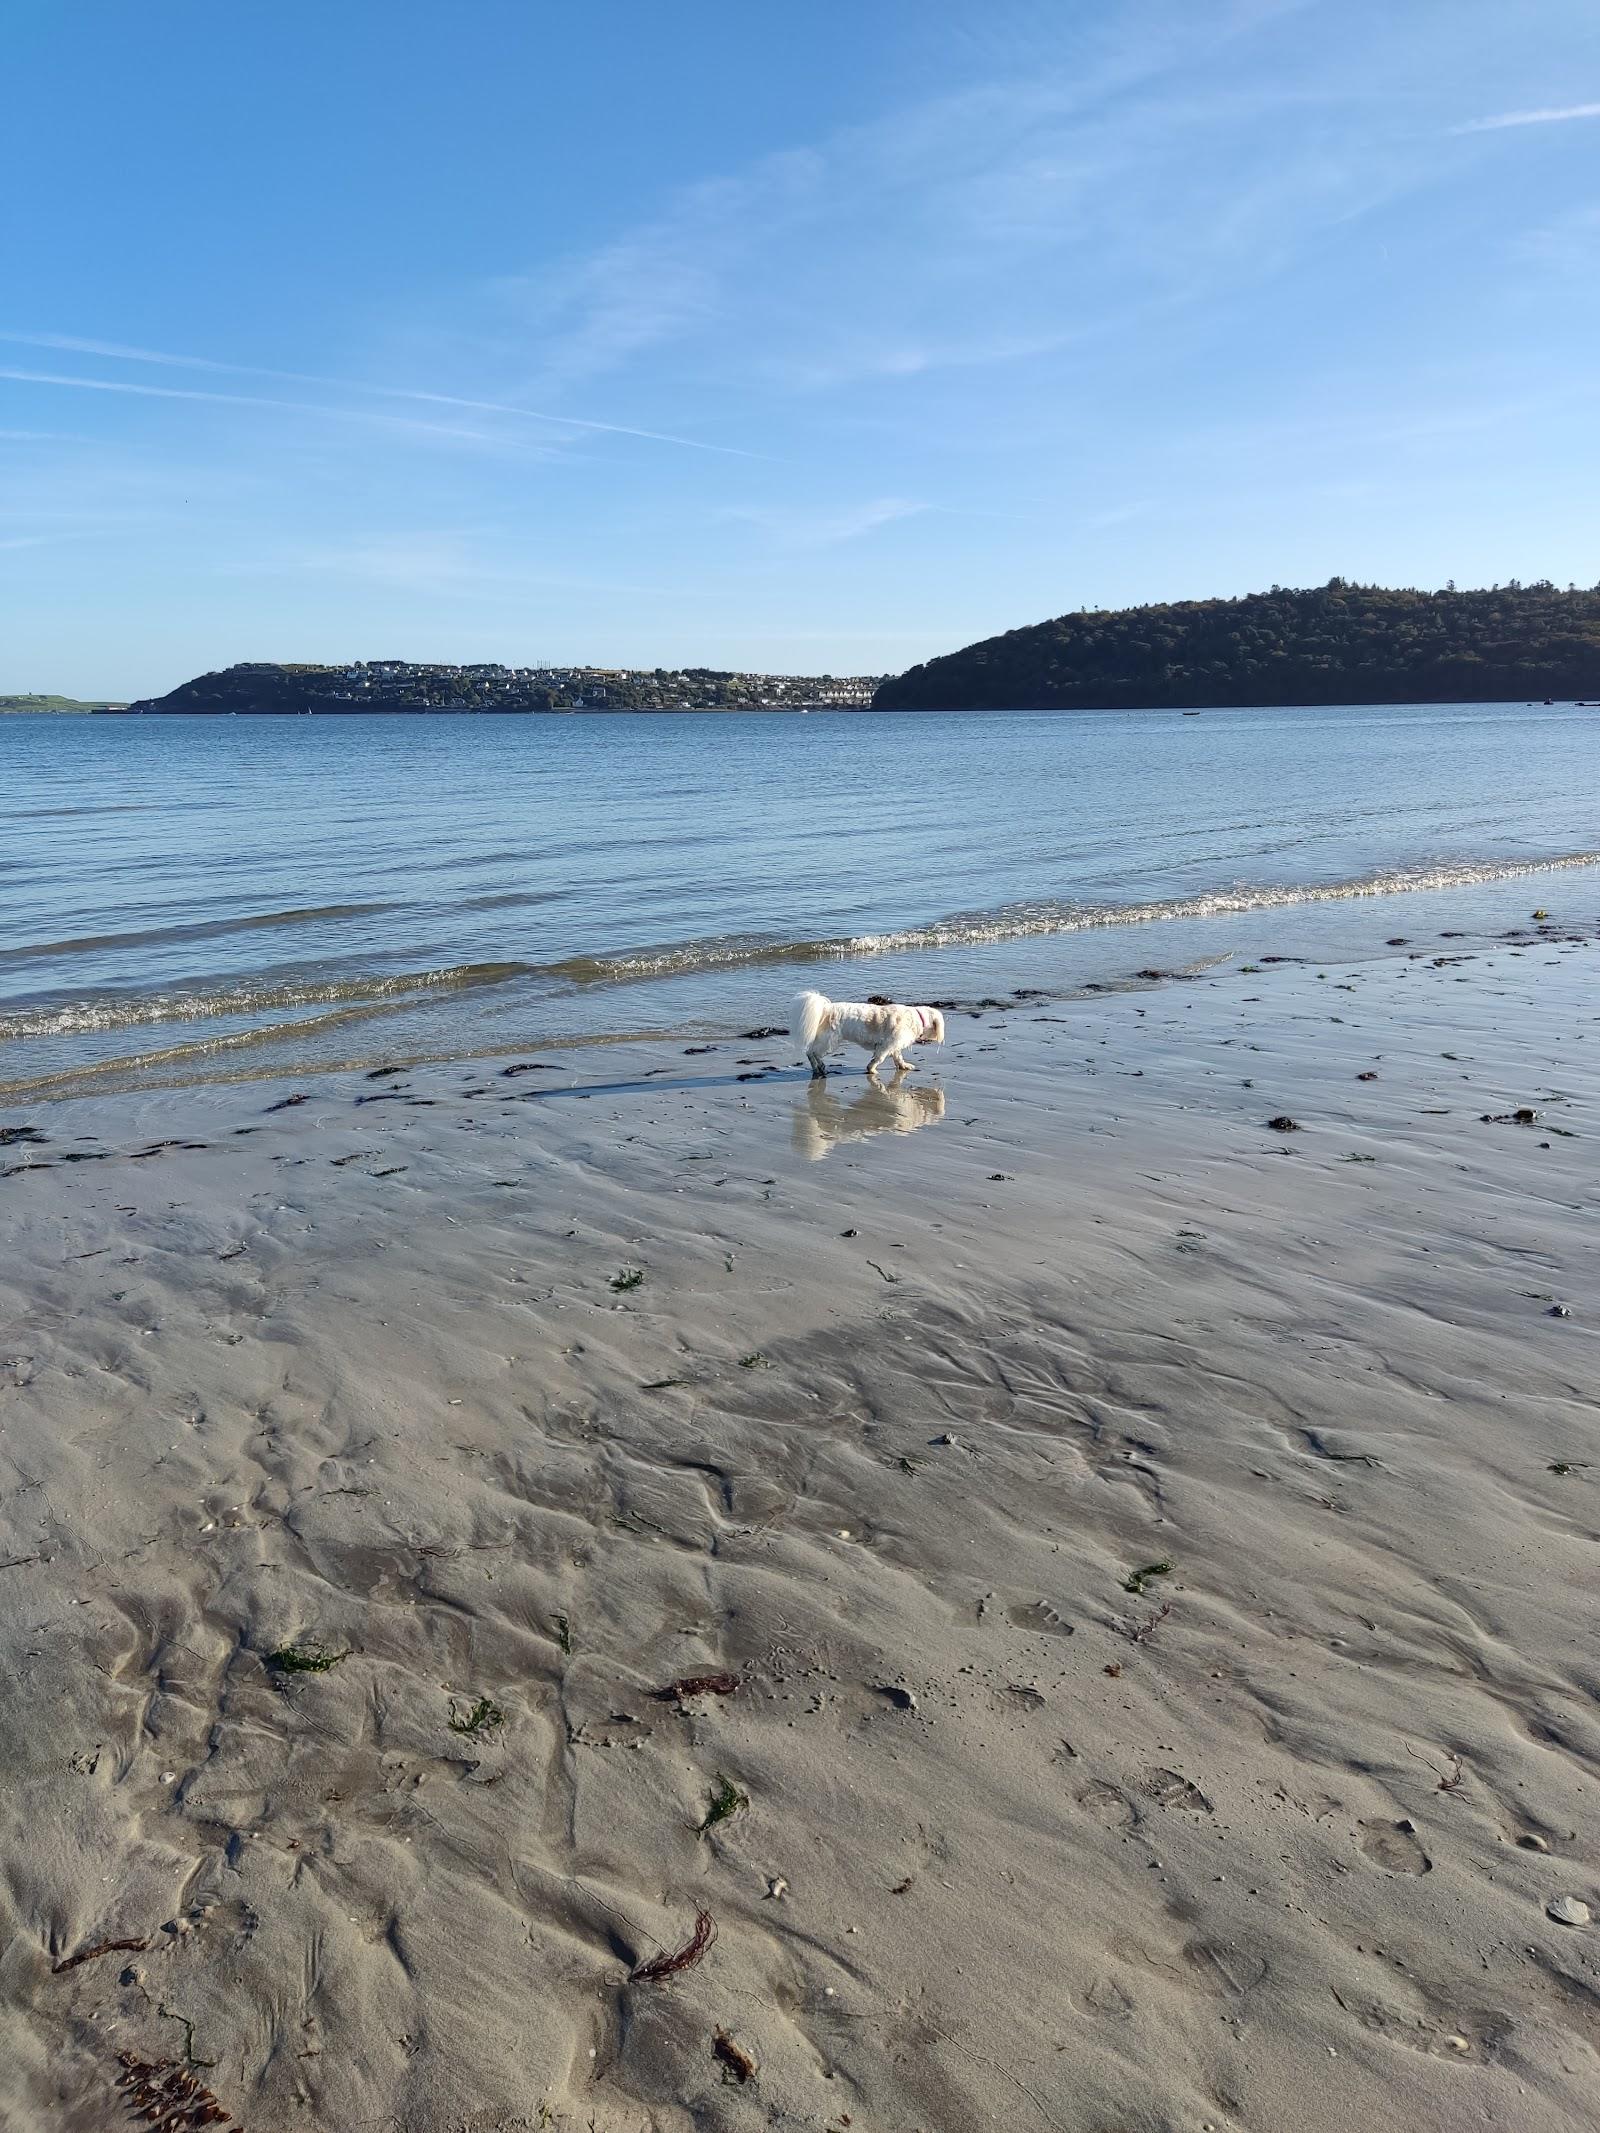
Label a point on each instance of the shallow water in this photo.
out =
(187, 898)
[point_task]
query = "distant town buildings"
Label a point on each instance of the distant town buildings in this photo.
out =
(483, 685)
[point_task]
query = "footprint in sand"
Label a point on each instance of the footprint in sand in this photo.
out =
(1106, 1998)
(1225, 1967)
(1438, 2032)
(1040, 1615)
(1113, 1809)
(1395, 1847)
(1169, 1788)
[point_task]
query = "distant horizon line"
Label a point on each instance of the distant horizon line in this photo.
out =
(1337, 582)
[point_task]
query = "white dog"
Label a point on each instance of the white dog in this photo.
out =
(884, 1031)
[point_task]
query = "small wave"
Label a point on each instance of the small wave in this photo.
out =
(198, 930)
(513, 899)
(194, 1053)
(104, 807)
(248, 1055)
(77, 1016)
(1013, 922)
(685, 958)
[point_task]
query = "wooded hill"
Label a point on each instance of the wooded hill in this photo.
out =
(1337, 644)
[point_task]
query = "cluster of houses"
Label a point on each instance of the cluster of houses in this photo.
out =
(256, 686)
(597, 688)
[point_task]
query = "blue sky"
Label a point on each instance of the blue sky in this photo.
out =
(813, 338)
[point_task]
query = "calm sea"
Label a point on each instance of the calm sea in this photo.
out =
(197, 898)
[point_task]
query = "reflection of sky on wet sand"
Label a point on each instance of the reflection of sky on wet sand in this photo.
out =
(824, 1118)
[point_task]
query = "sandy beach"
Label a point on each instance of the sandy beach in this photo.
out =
(1078, 1607)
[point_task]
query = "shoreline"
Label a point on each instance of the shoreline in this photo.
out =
(819, 709)
(419, 1020)
(916, 1390)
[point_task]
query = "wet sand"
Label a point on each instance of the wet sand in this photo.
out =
(1143, 1562)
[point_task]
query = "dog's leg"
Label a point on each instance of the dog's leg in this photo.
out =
(877, 1060)
(819, 1066)
(904, 1066)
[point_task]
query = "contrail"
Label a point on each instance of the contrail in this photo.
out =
(69, 344)
(177, 392)
(1557, 115)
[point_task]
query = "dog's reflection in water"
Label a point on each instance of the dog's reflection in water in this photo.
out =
(822, 1119)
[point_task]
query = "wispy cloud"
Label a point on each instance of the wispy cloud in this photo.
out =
(467, 566)
(950, 234)
(798, 528)
(1556, 115)
(117, 351)
(862, 359)
(1570, 244)
(1016, 218)
(1113, 515)
(663, 281)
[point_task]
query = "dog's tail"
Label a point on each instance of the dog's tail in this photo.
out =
(816, 1016)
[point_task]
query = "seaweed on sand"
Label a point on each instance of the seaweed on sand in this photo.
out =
(699, 1685)
(484, 1716)
(684, 1958)
(308, 1658)
(726, 1802)
(1137, 1580)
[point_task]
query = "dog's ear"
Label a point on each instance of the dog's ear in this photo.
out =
(938, 1025)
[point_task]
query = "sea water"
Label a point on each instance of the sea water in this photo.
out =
(192, 898)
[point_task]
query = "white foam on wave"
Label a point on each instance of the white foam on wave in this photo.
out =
(1015, 922)
(1010, 922)
(111, 1012)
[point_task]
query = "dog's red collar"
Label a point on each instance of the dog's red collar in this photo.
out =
(921, 1014)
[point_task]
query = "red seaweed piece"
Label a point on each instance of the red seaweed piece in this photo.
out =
(684, 1958)
(699, 1685)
